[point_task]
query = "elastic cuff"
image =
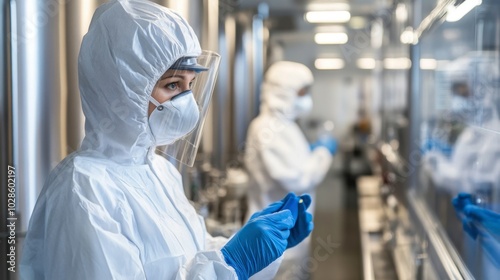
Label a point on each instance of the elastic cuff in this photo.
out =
(241, 274)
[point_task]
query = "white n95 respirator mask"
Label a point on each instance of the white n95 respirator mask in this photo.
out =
(303, 105)
(174, 118)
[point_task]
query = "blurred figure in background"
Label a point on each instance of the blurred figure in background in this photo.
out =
(468, 157)
(278, 157)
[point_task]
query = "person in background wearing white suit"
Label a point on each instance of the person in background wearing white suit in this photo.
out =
(278, 157)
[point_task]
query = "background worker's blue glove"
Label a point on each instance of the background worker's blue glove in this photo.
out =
(459, 203)
(437, 145)
(485, 224)
(462, 200)
(303, 223)
(475, 218)
(484, 218)
(257, 244)
(326, 141)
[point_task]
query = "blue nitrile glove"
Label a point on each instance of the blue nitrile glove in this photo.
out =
(459, 203)
(462, 200)
(258, 243)
(303, 220)
(277, 206)
(303, 224)
(485, 224)
(485, 218)
(437, 145)
(326, 141)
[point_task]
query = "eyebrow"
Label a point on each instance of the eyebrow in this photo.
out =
(175, 76)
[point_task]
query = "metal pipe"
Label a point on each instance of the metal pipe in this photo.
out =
(243, 81)
(414, 103)
(248, 73)
(222, 100)
(236, 101)
(258, 58)
(5, 132)
(209, 41)
(37, 90)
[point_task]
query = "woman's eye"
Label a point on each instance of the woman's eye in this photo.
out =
(171, 86)
(190, 85)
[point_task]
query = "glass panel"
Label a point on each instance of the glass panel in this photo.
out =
(460, 133)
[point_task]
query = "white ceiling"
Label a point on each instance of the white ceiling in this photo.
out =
(287, 25)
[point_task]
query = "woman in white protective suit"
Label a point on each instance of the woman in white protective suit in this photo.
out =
(115, 209)
(277, 155)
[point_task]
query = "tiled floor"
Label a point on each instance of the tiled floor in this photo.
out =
(336, 221)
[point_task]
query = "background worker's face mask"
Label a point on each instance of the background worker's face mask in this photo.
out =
(303, 105)
(174, 118)
(179, 125)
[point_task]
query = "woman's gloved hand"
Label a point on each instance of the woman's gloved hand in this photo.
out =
(326, 141)
(303, 222)
(278, 205)
(258, 243)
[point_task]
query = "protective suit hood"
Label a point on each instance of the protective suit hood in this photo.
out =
(126, 50)
(282, 82)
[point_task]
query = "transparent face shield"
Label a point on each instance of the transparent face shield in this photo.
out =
(205, 66)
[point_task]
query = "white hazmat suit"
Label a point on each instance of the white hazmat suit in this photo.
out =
(277, 154)
(114, 209)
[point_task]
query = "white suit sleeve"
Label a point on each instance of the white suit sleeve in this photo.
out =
(293, 173)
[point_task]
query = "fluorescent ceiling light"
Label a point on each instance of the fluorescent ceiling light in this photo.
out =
(428, 64)
(329, 63)
(333, 38)
(328, 6)
(366, 63)
(328, 16)
(455, 13)
(357, 23)
(401, 12)
(397, 63)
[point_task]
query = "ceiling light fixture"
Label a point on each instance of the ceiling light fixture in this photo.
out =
(329, 63)
(328, 6)
(331, 38)
(428, 64)
(328, 16)
(397, 63)
(357, 22)
(366, 63)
